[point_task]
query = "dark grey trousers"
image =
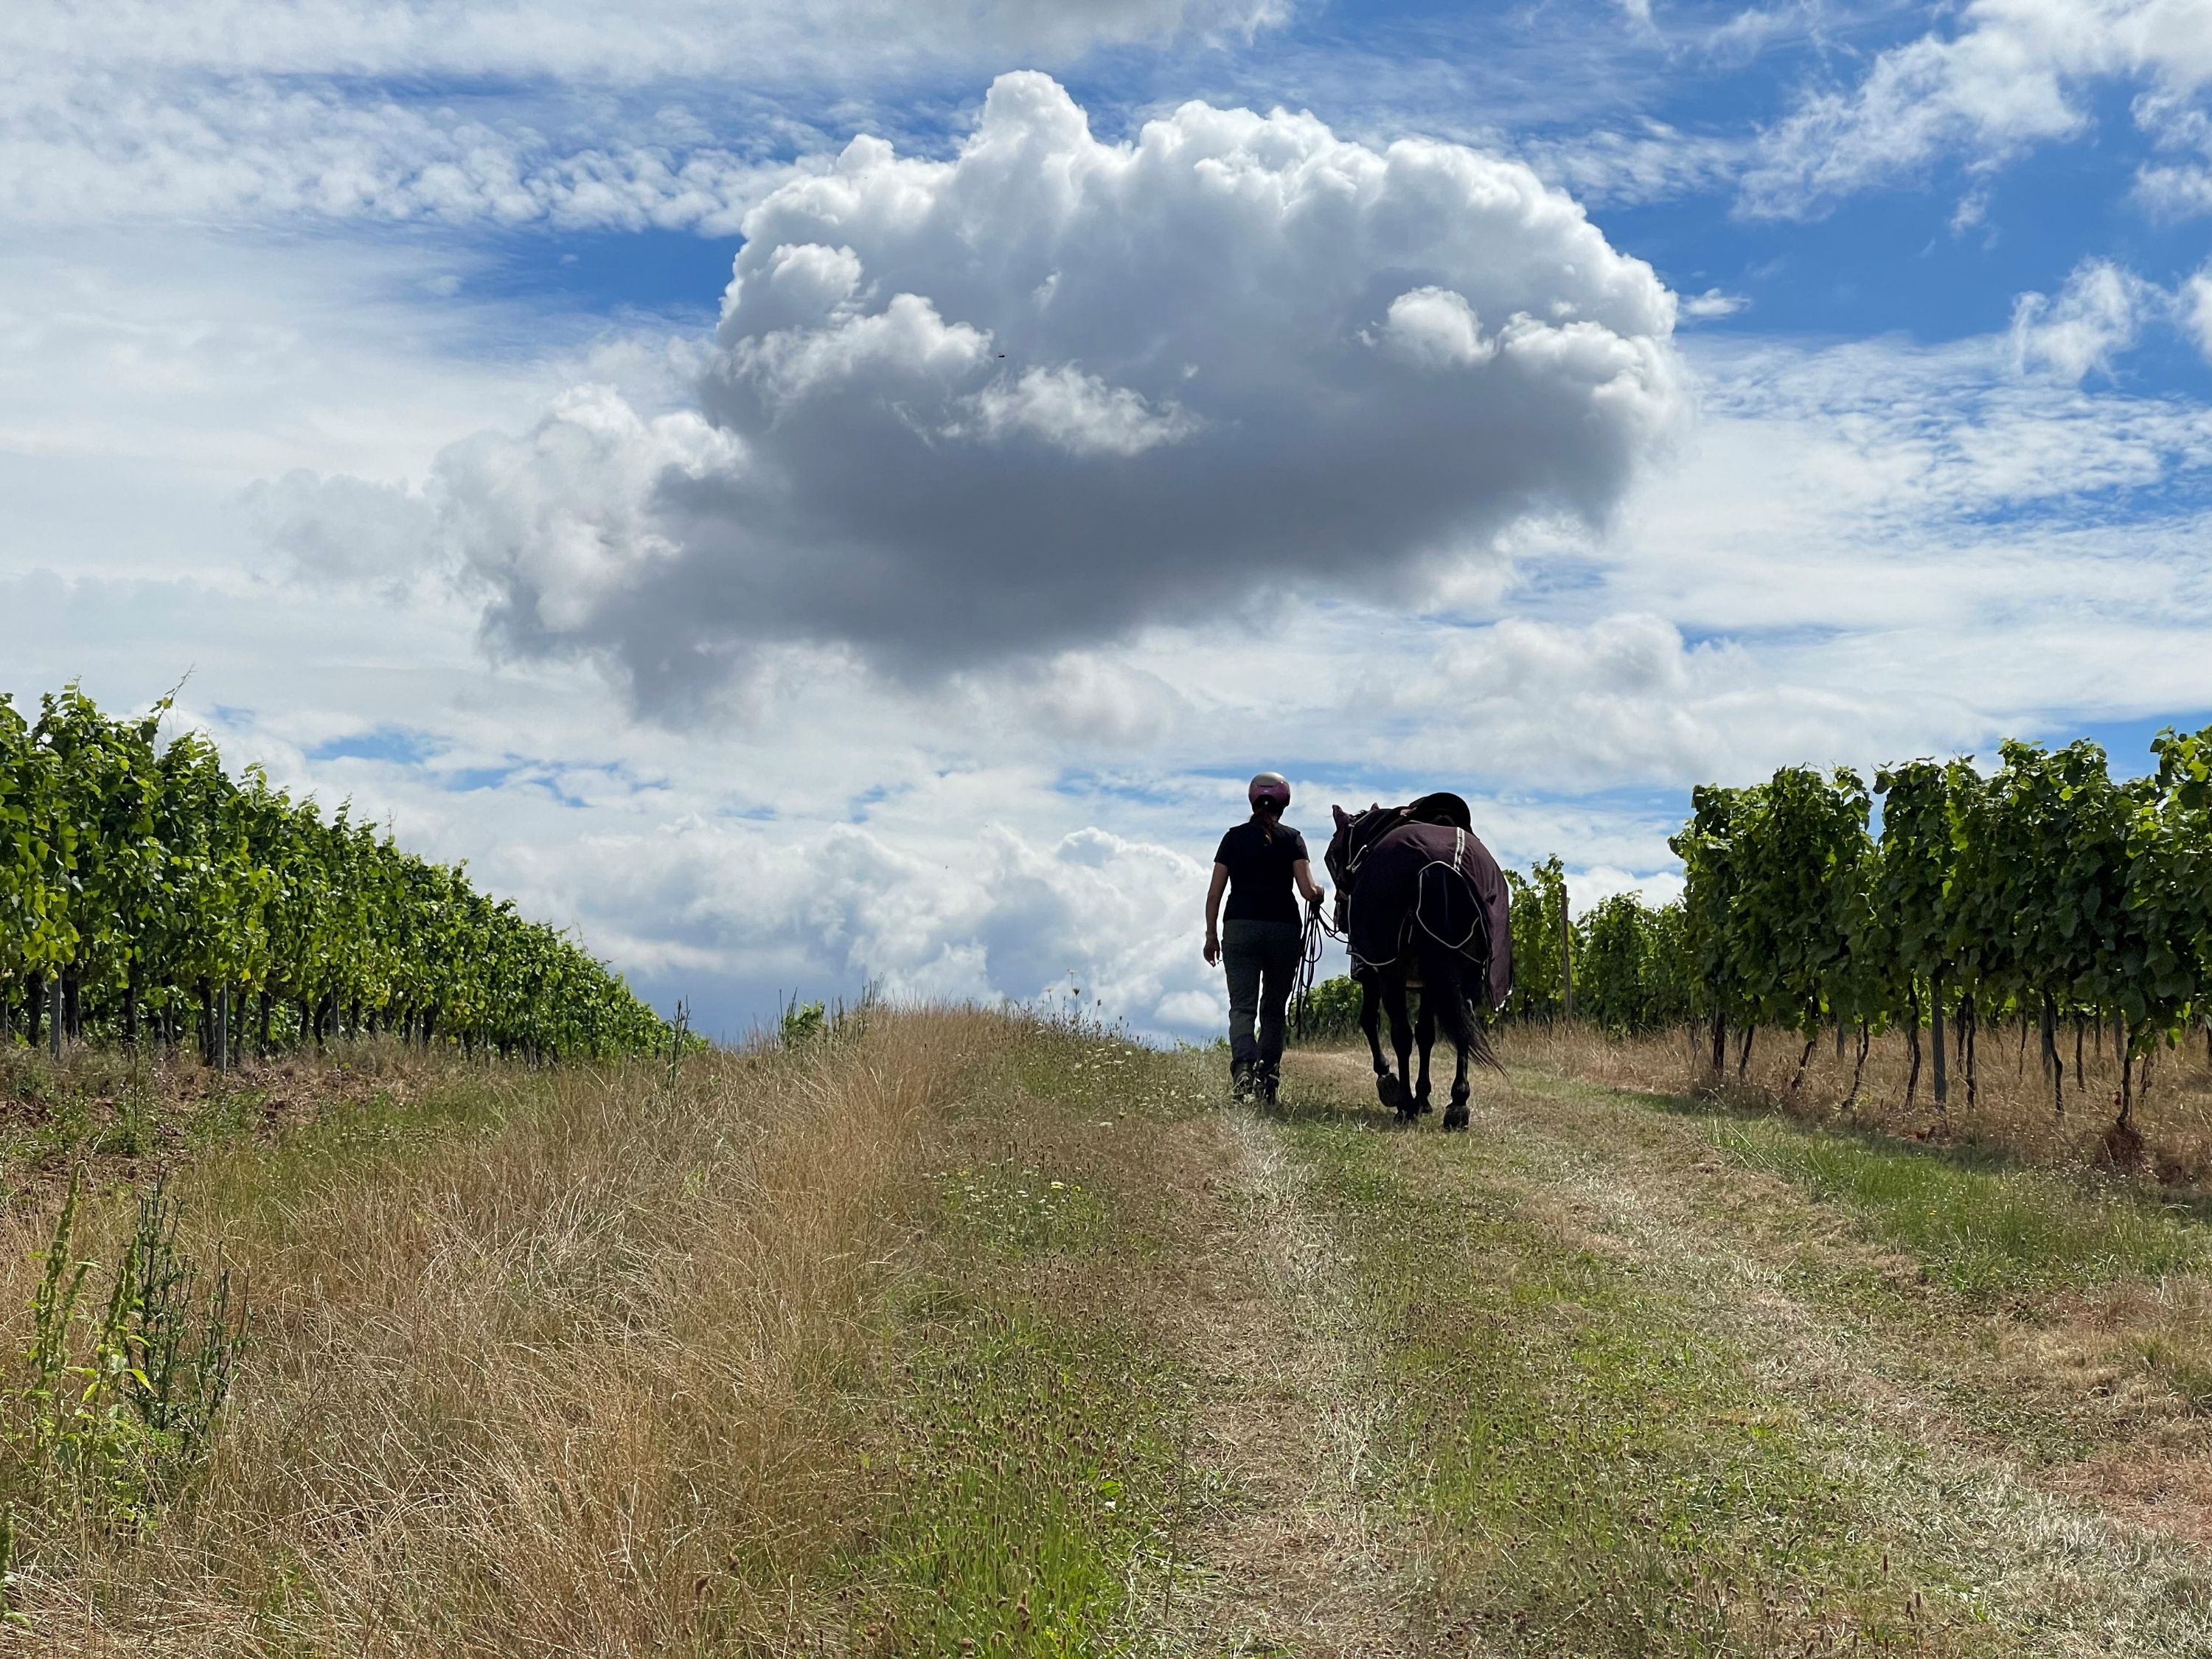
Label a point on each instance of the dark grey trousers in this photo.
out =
(1263, 960)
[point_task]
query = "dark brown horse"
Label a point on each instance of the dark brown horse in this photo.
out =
(1421, 905)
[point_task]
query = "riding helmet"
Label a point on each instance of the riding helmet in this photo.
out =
(1270, 789)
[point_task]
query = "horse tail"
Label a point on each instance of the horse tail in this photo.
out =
(1444, 973)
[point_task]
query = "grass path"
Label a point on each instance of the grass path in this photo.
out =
(1795, 1315)
(1606, 1377)
(1294, 1559)
(967, 1335)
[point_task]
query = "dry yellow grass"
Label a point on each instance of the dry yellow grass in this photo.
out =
(561, 1379)
(2011, 1111)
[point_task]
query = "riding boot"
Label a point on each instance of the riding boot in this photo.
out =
(1268, 1082)
(1241, 1079)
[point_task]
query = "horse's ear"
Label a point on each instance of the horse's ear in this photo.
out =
(1339, 814)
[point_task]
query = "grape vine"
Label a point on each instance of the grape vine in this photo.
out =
(2042, 895)
(163, 898)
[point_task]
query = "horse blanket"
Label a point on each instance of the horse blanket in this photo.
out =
(1439, 878)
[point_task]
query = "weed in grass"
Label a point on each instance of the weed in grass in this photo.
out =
(2182, 1366)
(802, 1022)
(229, 1112)
(133, 1129)
(1012, 1209)
(104, 1424)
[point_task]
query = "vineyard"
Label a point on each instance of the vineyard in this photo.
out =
(148, 895)
(2042, 897)
(949, 1330)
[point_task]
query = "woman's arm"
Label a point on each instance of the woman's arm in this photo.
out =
(1302, 873)
(1214, 892)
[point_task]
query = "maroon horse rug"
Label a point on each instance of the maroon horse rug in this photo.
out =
(1423, 905)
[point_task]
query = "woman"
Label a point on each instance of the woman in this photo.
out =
(1259, 863)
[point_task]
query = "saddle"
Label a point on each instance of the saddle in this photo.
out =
(1359, 834)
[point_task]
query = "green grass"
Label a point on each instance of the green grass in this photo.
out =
(1599, 1474)
(1986, 1231)
(1036, 1466)
(1034, 1462)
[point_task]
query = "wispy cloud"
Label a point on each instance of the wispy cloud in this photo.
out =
(1714, 303)
(2013, 74)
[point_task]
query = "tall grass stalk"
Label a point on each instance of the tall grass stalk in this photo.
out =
(564, 1375)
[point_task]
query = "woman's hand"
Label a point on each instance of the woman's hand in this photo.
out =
(1213, 948)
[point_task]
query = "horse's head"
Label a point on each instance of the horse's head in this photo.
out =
(1336, 860)
(1355, 833)
(1332, 860)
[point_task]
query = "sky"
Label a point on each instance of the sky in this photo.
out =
(828, 495)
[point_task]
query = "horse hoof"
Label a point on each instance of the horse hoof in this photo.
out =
(1422, 1104)
(1390, 1092)
(1456, 1117)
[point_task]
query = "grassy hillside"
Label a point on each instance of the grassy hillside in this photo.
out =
(955, 1333)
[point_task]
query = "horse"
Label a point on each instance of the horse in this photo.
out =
(1421, 905)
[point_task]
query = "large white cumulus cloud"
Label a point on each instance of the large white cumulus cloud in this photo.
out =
(1052, 389)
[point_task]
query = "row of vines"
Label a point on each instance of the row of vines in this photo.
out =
(2043, 895)
(146, 894)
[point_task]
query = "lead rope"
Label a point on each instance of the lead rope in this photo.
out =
(1308, 960)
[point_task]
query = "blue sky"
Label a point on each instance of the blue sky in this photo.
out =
(1886, 259)
(373, 363)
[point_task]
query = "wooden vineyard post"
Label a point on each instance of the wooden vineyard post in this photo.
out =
(1566, 959)
(222, 1032)
(1936, 1037)
(54, 1016)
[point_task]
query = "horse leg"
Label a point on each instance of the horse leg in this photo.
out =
(1371, 1022)
(1461, 1025)
(1402, 1040)
(1455, 1114)
(1425, 1039)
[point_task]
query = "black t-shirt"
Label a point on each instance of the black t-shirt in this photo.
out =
(1260, 884)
